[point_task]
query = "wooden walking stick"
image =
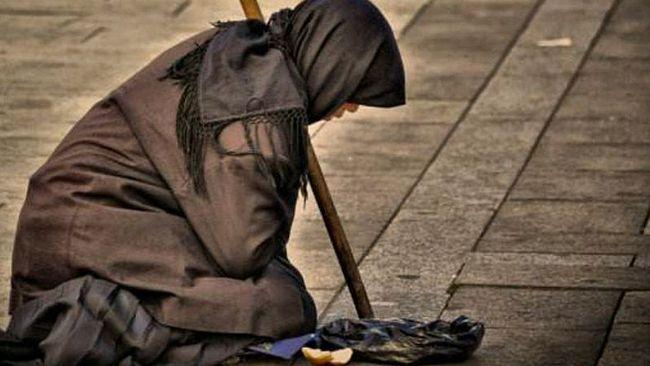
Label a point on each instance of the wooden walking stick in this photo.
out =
(328, 210)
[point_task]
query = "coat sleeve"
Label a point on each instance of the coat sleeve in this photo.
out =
(251, 210)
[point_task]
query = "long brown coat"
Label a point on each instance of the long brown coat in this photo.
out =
(114, 200)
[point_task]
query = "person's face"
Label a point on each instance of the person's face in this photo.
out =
(349, 107)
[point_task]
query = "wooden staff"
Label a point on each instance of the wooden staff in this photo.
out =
(328, 210)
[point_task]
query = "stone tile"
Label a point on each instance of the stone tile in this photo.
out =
(569, 217)
(522, 87)
(626, 35)
(602, 84)
(598, 130)
(312, 234)
(534, 308)
(635, 308)
(627, 344)
(365, 135)
(414, 271)
(586, 107)
(363, 199)
(594, 185)
(441, 230)
(588, 156)
(541, 259)
(643, 260)
(320, 268)
(586, 243)
(581, 275)
(413, 112)
(485, 144)
(446, 29)
(415, 302)
(538, 347)
(361, 148)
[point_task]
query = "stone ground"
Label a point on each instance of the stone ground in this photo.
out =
(513, 187)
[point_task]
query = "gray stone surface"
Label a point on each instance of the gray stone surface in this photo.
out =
(643, 260)
(585, 185)
(416, 111)
(595, 156)
(464, 40)
(409, 300)
(537, 347)
(599, 130)
(569, 217)
(534, 308)
(564, 243)
(362, 148)
(635, 308)
(557, 259)
(627, 344)
(533, 273)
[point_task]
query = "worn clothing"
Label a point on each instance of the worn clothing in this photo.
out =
(89, 321)
(114, 201)
(179, 187)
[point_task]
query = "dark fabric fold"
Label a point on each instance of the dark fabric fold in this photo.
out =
(89, 321)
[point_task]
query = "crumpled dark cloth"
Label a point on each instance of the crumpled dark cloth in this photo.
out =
(393, 341)
(404, 341)
(90, 321)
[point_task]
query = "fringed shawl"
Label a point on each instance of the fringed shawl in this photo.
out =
(296, 69)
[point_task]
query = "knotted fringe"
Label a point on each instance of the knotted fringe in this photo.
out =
(190, 133)
(193, 135)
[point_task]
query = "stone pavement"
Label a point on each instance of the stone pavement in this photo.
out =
(514, 187)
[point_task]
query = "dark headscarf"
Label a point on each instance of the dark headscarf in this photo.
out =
(345, 51)
(298, 68)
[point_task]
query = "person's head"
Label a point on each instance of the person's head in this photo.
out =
(347, 55)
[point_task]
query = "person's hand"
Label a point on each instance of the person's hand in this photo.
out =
(349, 107)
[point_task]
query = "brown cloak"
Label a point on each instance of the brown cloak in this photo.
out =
(114, 200)
(117, 200)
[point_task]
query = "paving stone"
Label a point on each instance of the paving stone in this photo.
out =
(472, 39)
(594, 156)
(360, 148)
(594, 243)
(590, 185)
(439, 230)
(627, 344)
(643, 260)
(413, 112)
(522, 88)
(409, 301)
(585, 106)
(627, 35)
(385, 271)
(312, 234)
(537, 259)
(319, 268)
(598, 130)
(538, 347)
(635, 308)
(569, 217)
(583, 275)
(362, 199)
(534, 308)
(482, 145)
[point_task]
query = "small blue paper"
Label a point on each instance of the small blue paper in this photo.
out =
(284, 348)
